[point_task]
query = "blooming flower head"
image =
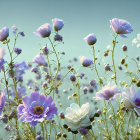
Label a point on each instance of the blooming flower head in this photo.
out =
(132, 99)
(77, 117)
(121, 26)
(2, 102)
(4, 33)
(36, 108)
(39, 59)
(90, 39)
(57, 24)
(86, 61)
(44, 30)
(108, 92)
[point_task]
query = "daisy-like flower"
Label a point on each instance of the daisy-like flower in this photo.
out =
(132, 99)
(77, 117)
(2, 102)
(108, 92)
(121, 26)
(36, 108)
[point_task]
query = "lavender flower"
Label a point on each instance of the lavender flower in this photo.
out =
(108, 92)
(57, 24)
(2, 62)
(44, 30)
(132, 99)
(45, 50)
(58, 37)
(17, 51)
(4, 33)
(90, 39)
(86, 61)
(14, 28)
(39, 59)
(36, 108)
(22, 34)
(121, 26)
(2, 102)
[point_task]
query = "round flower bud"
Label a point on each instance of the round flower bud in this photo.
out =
(73, 78)
(45, 50)
(124, 48)
(138, 83)
(4, 33)
(107, 68)
(58, 37)
(83, 131)
(61, 115)
(17, 51)
(44, 30)
(86, 61)
(57, 24)
(90, 39)
(85, 90)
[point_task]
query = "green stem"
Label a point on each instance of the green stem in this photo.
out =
(114, 44)
(100, 80)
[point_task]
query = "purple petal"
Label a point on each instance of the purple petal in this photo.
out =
(52, 111)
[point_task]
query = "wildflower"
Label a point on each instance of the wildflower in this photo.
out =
(77, 117)
(58, 37)
(132, 99)
(73, 78)
(57, 24)
(86, 61)
(2, 102)
(121, 26)
(124, 48)
(107, 68)
(108, 92)
(83, 131)
(36, 108)
(90, 39)
(39, 59)
(45, 50)
(4, 33)
(35, 70)
(44, 30)
(22, 34)
(17, 51)
(2, 62)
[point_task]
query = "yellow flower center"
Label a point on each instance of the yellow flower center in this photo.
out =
(38, 109)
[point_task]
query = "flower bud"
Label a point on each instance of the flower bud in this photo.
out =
(4, 33)
(57, 24)
(90, 39)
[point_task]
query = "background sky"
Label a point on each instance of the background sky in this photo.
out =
(81, 17)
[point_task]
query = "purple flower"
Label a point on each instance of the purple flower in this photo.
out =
(2, 62)
(58, 37)
(45, 50)
(121, 26)
(57, 24)
(90, 39)
(108, 92)
(14, 28)
(35, 70)
(132, 99)
(22, 34)
(36, 108)
(17, 51)
(2, 102)
(39, 59)
(4, 33)
(86, 61)
(44, 30)
(83, 131)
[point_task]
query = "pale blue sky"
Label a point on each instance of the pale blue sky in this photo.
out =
(81, 17)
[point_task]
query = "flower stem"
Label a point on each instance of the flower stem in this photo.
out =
(100, 80)
(114, 44)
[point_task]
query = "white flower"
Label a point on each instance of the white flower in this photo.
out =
(77, 117)
(132, 99)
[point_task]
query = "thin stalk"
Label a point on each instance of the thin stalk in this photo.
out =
(114, 44)
(100, 80)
